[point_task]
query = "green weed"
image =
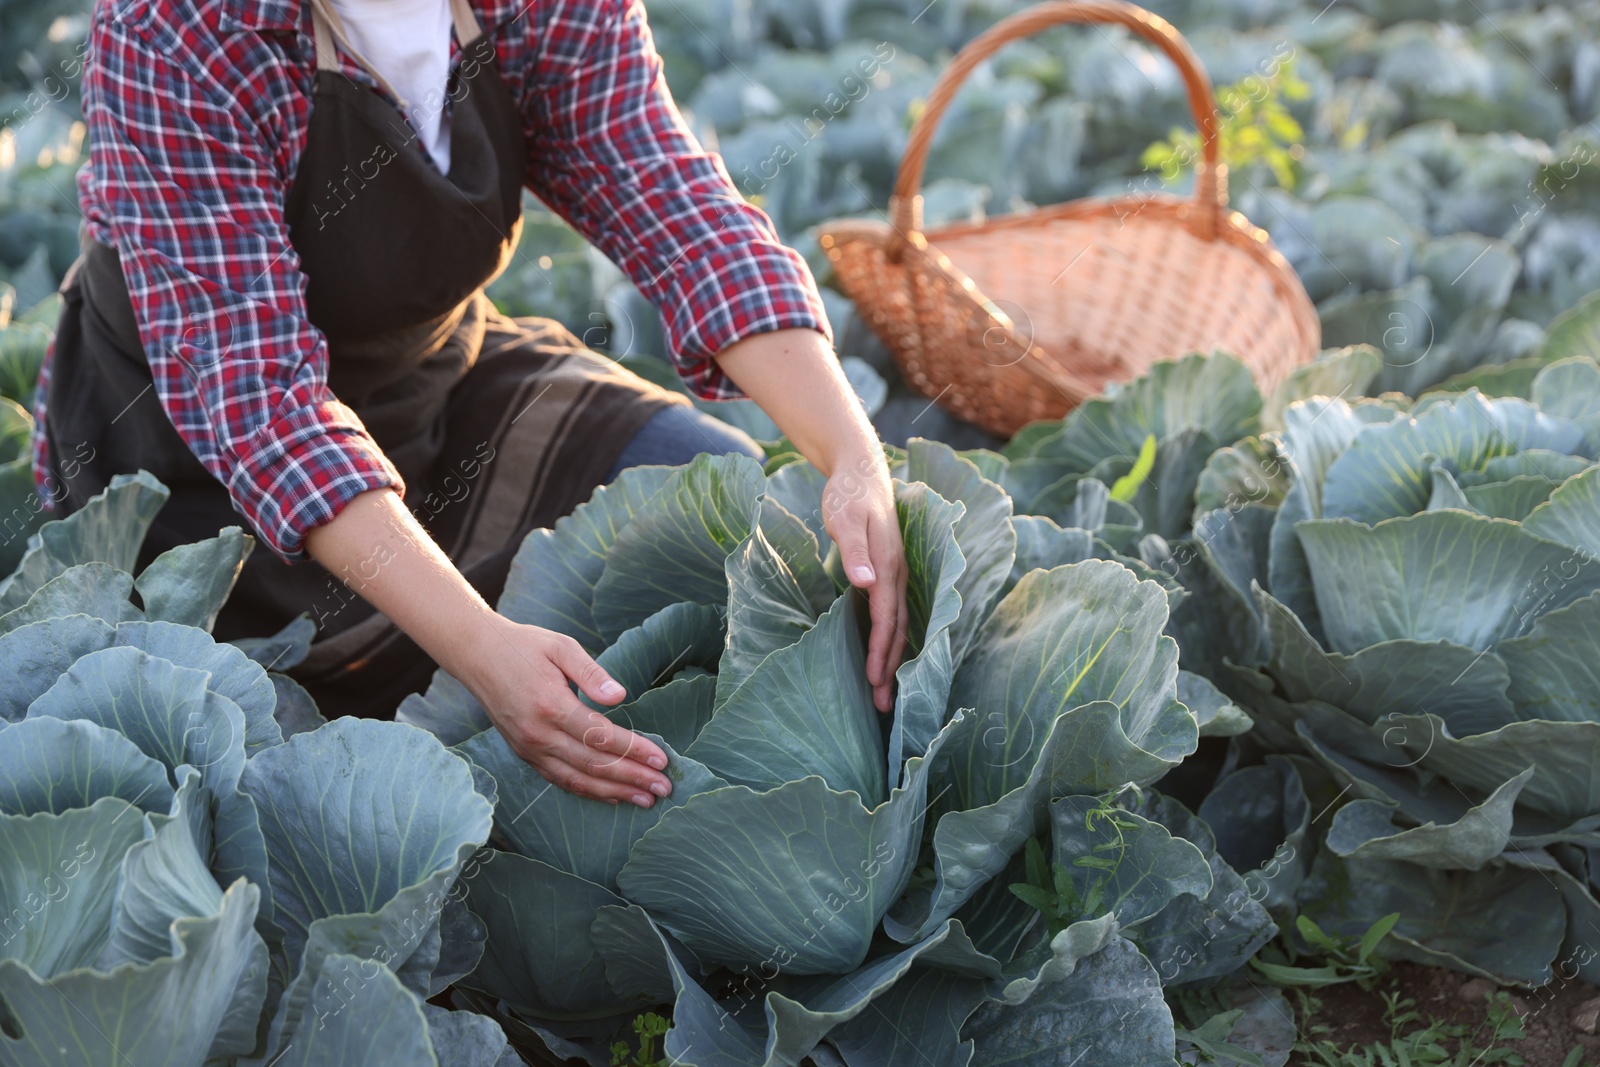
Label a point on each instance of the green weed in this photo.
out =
(1210, 1041)
(647, 1030)
(1127, 487)
(1418, 1040)
(1050, 887)
(1254, 127)
(1344, 959)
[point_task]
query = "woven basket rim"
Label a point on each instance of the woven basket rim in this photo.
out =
(1236, 229)
(1155, 209)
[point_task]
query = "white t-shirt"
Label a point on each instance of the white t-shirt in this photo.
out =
(408, 42)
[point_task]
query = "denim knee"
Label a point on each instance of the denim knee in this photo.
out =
(675, 435)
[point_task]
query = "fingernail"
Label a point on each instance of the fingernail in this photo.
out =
(658, 762)
(610, 690)
(660, 789)
(862, 573)
(642, 800)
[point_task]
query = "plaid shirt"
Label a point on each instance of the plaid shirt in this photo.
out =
(197, 113)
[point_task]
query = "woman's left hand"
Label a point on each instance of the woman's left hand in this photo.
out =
(795, 377)
(858, 511)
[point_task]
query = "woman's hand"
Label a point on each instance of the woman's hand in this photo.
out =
(796, 379)
(519, 673)
(521, 678)
(859, 513)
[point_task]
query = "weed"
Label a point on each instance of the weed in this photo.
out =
(647, 1029)
(1210, 1041)
(1051, 889)
(1346, 959)
(1254, 126)
(1418, 1040)
(1127, 487)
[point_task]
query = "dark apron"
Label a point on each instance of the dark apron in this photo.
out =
(498, 426)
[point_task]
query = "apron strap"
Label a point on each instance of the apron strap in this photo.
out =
(327, 28)
(327, 59)
(467, 28)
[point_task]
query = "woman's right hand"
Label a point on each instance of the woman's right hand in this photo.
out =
(519, 673)
(521, 678)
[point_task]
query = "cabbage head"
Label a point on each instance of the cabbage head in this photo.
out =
(1412, 619)
(181, 882)
(828, 884)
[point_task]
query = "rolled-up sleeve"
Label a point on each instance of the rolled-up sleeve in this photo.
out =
(193, 198)
(609, 152)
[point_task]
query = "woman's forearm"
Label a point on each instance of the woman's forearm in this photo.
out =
(520, 674)
(796, 379)
(377, 547)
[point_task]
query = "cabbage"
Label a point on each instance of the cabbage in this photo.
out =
(183, 885)
(1404, 598)
(825, 881)
(182, 828)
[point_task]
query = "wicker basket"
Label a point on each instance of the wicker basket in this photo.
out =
(1096, 289)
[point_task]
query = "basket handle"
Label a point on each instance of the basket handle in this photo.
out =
(1210, 191)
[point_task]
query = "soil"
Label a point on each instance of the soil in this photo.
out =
(1555, 1018)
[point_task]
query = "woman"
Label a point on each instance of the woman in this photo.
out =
(291, 212)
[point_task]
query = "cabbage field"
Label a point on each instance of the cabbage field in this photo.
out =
(1224, 713)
